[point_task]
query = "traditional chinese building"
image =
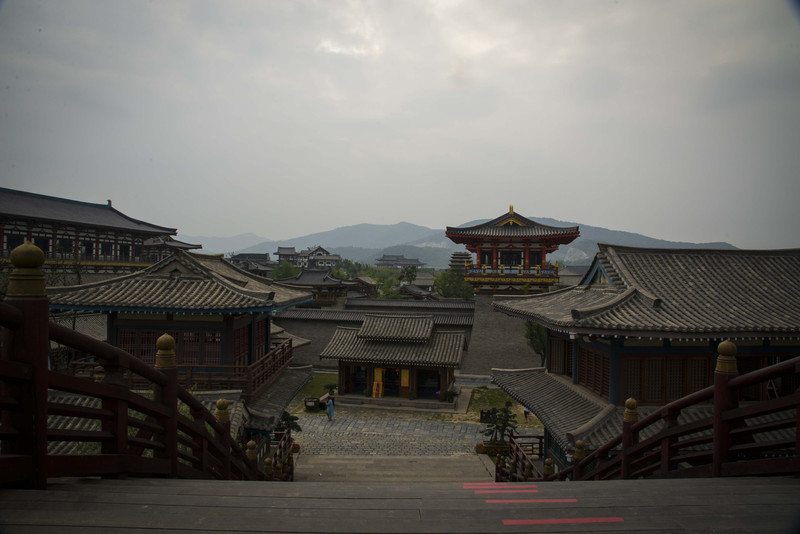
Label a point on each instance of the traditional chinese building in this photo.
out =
(310, 258)
(254, 262)
(646, 323)
(325, 287)
(218, 314)
(511, 253)
(396, 356)
(397, 261)
(93, 239)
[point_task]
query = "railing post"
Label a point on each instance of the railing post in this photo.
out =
(629, 438)
(670, 421)
(577, 458)
(118, 424)
(724, 400)
(168, 396)
(224, 418)
(30, 346)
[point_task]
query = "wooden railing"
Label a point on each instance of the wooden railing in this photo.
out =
(251, 379)
(756, 438)
(524, 461)
(548, 271)
(161, 431)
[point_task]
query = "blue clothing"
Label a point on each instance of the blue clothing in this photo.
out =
(329, 409)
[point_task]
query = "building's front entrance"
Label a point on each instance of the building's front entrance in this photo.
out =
(427, 383)
(391, 382)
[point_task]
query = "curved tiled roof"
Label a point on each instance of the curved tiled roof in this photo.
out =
(309, 314)
(182, 283)
(521, 228)
(315, 278)
(560, 407)
(569, 413)
(31, 206)
(675, 293)
(396, 328)
(455, 304)
(443, 349)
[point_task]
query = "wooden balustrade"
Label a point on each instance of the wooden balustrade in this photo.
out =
(525, 455)
(758, 438)
(251, 379)
(161, 430)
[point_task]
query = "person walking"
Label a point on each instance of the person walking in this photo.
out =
(329, 409)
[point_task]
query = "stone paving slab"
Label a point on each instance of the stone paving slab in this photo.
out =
(364, 436)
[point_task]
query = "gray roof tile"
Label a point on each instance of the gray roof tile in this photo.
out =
(676, 293)
(396, 328)
(184, 282)
(441, 349)
(31, 206)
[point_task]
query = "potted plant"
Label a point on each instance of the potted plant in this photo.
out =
(289, 421)
(501, 423)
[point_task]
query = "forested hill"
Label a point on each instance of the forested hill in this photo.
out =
(366, 242)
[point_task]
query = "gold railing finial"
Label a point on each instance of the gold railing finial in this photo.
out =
(165, 355)
(27, 278)
(580, 450)
(631, 413)
(726, 361)
(222, 414)
(251, 450)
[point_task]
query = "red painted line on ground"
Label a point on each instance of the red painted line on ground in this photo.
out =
(490, 486)
(508, 491)
(525, 501)
(565, 521)
(500, 488)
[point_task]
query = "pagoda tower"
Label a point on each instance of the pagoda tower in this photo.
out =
(511, 253)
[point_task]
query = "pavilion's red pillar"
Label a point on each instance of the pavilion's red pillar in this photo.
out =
(494, 257)
(478, 257)
(527, 258)
(28, 348)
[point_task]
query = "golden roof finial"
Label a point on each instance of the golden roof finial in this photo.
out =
(511, 209)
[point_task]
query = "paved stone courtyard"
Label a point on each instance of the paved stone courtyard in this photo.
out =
(391, 435)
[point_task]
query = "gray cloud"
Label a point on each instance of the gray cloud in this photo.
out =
(677, 120)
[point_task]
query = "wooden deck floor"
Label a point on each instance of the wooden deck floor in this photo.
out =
(760, 505)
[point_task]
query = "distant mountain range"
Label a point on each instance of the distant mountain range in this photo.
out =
(365, 243)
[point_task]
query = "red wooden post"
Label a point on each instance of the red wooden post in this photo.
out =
(670, 421)
(224, 418)
(168, 396)
(118, 424)
(577, 458)
(724, 400)
(629, 438)
(30, 346)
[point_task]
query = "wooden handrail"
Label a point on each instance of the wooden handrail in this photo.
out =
(108, 354)
(721, 444)
(117, 425)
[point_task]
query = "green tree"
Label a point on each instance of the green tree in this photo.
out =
(452, 285)
(536, 336)
(285, 270)
(501, 423)
(408, 273)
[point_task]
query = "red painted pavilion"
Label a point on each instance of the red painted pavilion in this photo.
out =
(510, 253)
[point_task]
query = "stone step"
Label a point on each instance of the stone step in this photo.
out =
(323, 468)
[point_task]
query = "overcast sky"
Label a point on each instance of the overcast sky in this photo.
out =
(675, 119)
